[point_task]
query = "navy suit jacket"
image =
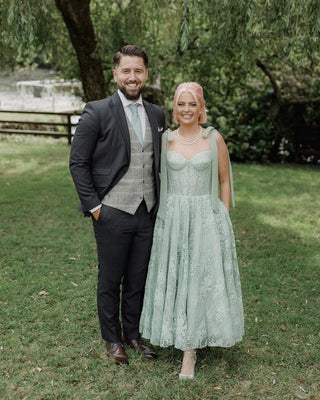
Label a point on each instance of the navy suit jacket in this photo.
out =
(100, 151)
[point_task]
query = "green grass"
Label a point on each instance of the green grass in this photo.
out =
(50, 346)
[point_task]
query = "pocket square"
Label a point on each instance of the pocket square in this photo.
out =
(160, 129)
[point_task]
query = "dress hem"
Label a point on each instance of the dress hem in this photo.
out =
(224, 346)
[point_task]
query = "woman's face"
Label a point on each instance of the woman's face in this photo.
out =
(187, 109)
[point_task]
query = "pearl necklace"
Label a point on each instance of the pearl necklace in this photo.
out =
(192, 140)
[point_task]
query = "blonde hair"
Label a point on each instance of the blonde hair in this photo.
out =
(196, 91)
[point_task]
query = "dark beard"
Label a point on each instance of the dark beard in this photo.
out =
(130, 96)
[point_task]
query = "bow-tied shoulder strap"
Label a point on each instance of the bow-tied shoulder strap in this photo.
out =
(214, 175)
(166, 137)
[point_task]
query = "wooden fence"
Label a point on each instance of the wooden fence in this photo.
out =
(31, 126)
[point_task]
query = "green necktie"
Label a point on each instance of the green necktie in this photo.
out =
(135, 121)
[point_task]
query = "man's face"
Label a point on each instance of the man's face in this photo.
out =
(131, 75)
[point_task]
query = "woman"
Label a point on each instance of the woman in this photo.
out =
(193, 294)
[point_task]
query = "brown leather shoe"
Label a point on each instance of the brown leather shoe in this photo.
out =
(117, 353)
(139, 347)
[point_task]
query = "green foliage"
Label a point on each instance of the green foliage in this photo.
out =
(34, 34)
(213, 42)
(154, 26)
(168, 28)
(244, 126)
(242, 121)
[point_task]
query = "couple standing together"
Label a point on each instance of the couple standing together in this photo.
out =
(170, 251)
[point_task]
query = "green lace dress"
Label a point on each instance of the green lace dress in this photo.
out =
(192, 294)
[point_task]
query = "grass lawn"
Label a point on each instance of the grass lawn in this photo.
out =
(50, 346)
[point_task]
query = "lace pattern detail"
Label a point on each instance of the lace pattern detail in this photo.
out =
(193, 293)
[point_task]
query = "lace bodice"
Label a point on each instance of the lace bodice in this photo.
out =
(189, 177)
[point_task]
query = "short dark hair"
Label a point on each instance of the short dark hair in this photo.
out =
(132, 51)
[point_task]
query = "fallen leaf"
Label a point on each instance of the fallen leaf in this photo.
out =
(301, 388)
(302, 395)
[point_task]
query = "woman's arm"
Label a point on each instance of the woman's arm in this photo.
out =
(223, 170)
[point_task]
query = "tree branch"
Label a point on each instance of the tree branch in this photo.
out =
(272, 79)
(301, 100)
(179, 52)
(77, 18)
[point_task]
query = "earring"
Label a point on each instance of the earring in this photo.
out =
(199, 112)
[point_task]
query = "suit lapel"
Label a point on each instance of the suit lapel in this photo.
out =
(121, 121)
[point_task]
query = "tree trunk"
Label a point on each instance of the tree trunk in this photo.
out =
(76, 15)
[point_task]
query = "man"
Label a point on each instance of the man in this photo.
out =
(114, 162)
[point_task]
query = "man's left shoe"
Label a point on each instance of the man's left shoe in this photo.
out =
(139, 347)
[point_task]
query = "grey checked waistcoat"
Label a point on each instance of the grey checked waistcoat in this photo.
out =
(138, 182)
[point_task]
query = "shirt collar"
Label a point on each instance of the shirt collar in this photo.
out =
(125, 102)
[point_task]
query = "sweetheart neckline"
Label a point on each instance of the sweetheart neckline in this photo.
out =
(188, 159)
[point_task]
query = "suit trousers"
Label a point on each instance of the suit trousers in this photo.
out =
(123, 244)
